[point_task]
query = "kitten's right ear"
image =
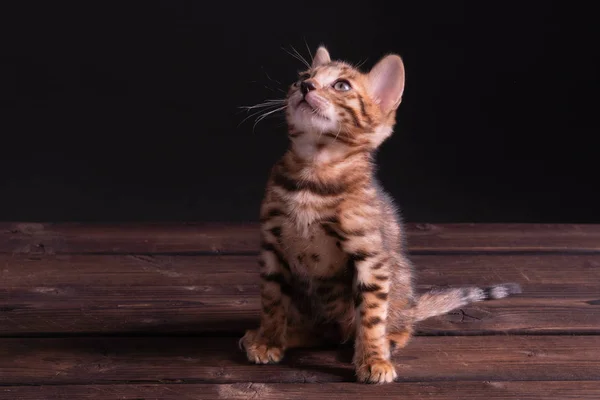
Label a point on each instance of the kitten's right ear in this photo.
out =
(321, 57)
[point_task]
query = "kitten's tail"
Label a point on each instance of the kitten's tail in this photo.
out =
(441, 301)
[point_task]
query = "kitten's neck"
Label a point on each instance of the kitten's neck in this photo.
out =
(320, 150)
(328, 163)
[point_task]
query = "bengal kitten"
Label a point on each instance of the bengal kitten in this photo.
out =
(333, 263)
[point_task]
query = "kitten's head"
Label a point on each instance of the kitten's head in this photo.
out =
(335, 101)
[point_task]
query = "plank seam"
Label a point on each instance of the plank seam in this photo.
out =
(465, 252)
(233, 334)
(188, 381)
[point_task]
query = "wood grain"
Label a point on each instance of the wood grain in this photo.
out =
(463, 390)
(72, 294)
(218, 360)
(88, 284)
(215, 238)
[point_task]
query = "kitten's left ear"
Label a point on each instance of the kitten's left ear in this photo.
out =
(386, 82)
(321, 57)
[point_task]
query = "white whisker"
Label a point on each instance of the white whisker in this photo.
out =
(259, 110)
(271, 79)
(263, 109)
(299, 58)
(339, 130)
(309, 52)
(265, 115)
(266, 103)
(360, 64)
(275, 89)
(255, 113)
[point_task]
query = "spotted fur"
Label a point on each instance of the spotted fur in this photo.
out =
(332, 261)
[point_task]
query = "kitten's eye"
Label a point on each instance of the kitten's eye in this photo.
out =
(342, 86)
(296, 84)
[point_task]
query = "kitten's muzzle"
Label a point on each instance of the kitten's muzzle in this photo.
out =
(314, 102)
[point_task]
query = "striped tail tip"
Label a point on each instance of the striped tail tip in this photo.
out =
(501, 291)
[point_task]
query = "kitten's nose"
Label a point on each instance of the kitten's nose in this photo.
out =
(307, 86)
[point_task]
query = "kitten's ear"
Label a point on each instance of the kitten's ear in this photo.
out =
(386, 82)
(321, 57)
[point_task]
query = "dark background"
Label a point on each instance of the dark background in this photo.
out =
(116, 111)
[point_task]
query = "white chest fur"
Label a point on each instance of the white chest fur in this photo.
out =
(302, 207)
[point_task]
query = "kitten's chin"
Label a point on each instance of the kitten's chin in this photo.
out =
(306, 119)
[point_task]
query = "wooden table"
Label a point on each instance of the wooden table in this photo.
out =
(154, 311)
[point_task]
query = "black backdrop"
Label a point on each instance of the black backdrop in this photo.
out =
(115, 111)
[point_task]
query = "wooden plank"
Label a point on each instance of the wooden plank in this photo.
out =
(139, 270)
(68, 238)
(215, 238)
(190, 294)
(464, 390)
(63, 361)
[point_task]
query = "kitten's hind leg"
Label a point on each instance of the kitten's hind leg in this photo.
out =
(402, 302)
(400, 327)
(399, 339)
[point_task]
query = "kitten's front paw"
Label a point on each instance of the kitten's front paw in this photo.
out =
(376, 371)
(258, 350)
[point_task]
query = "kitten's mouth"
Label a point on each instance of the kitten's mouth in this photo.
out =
(304, 105)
